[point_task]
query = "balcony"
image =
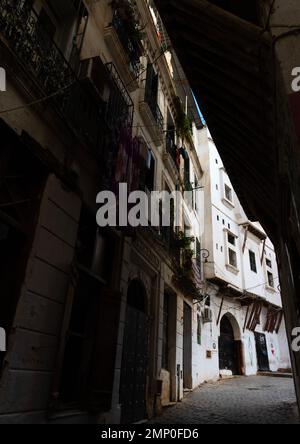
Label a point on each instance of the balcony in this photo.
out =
(124, 42)
(120, 107)
(152, 116)
(49, 70)
(171, 157)
(172, 149)
(189, 194)
(188, 276)
(87, 115)
(20, 27)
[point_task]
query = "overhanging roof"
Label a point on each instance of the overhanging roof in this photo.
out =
(230, 65)
(254, 230)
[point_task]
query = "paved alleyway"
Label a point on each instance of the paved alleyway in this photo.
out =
(255, 400)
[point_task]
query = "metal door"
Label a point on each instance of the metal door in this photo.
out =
(228, 355)
(262, 353)
(134, 367)
(187, 347)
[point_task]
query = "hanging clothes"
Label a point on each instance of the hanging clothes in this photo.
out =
(178, 157)
(124, 156)
(136, 164)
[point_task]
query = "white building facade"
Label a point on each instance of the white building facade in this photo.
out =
(239, 326)
(109, 325)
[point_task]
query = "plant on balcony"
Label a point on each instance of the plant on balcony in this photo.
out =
(183, 264)
(183, 122)
(127, 11)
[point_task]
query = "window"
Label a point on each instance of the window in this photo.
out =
(271, 281)
(270, 276)
(21, 187)
(198, 253)
(218, 218)
(231, 249)
(269, 263)
(151, 93)
(187, 179)
(232, 258)
(92, 310)
(228, 193)
(66, 26)
(187, 168)
(252, 258)
(208, 302)
(150, 172)
(232, 239)
(199, 330)
(46, 24)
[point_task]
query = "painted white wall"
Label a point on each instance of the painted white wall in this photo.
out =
(220, 218)
(206, 369)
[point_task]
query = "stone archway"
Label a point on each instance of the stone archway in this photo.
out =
(230, 345)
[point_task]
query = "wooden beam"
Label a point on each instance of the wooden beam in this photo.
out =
(245, 238)
(279, 322)
(220, 311)
(246, 319)
(251, 317)
(263, 251)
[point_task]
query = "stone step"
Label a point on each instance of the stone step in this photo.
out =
(276, 374)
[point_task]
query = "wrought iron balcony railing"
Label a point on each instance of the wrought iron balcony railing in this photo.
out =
(120, 107)
(128, 35)
(172, 149)
(168, 237)
(20, 25)
(45, 63)
(155, 110)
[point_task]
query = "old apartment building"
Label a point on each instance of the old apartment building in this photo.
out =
(109, 325)
(92, 101)
(239, 326)
(240, 59)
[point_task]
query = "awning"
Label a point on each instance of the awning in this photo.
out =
(230, 65)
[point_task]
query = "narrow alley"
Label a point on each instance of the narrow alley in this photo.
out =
(253, 400)
(149, 211)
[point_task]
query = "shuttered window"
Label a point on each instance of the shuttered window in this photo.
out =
(252, 258)
(90, 327)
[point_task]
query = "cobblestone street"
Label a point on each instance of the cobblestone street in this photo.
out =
(254, 400)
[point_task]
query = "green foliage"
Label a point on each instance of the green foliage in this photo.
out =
(184, 242)
(183, 277)
(127, 10)
(183, 122)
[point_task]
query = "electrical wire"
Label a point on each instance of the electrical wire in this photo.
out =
(261, 285)
(36, 102)
(61, 90)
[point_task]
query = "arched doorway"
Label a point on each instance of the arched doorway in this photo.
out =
(230, 346)
(135, 355)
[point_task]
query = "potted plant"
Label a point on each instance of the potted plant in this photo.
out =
(183, 264)
(183, 122)
(127, 13)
